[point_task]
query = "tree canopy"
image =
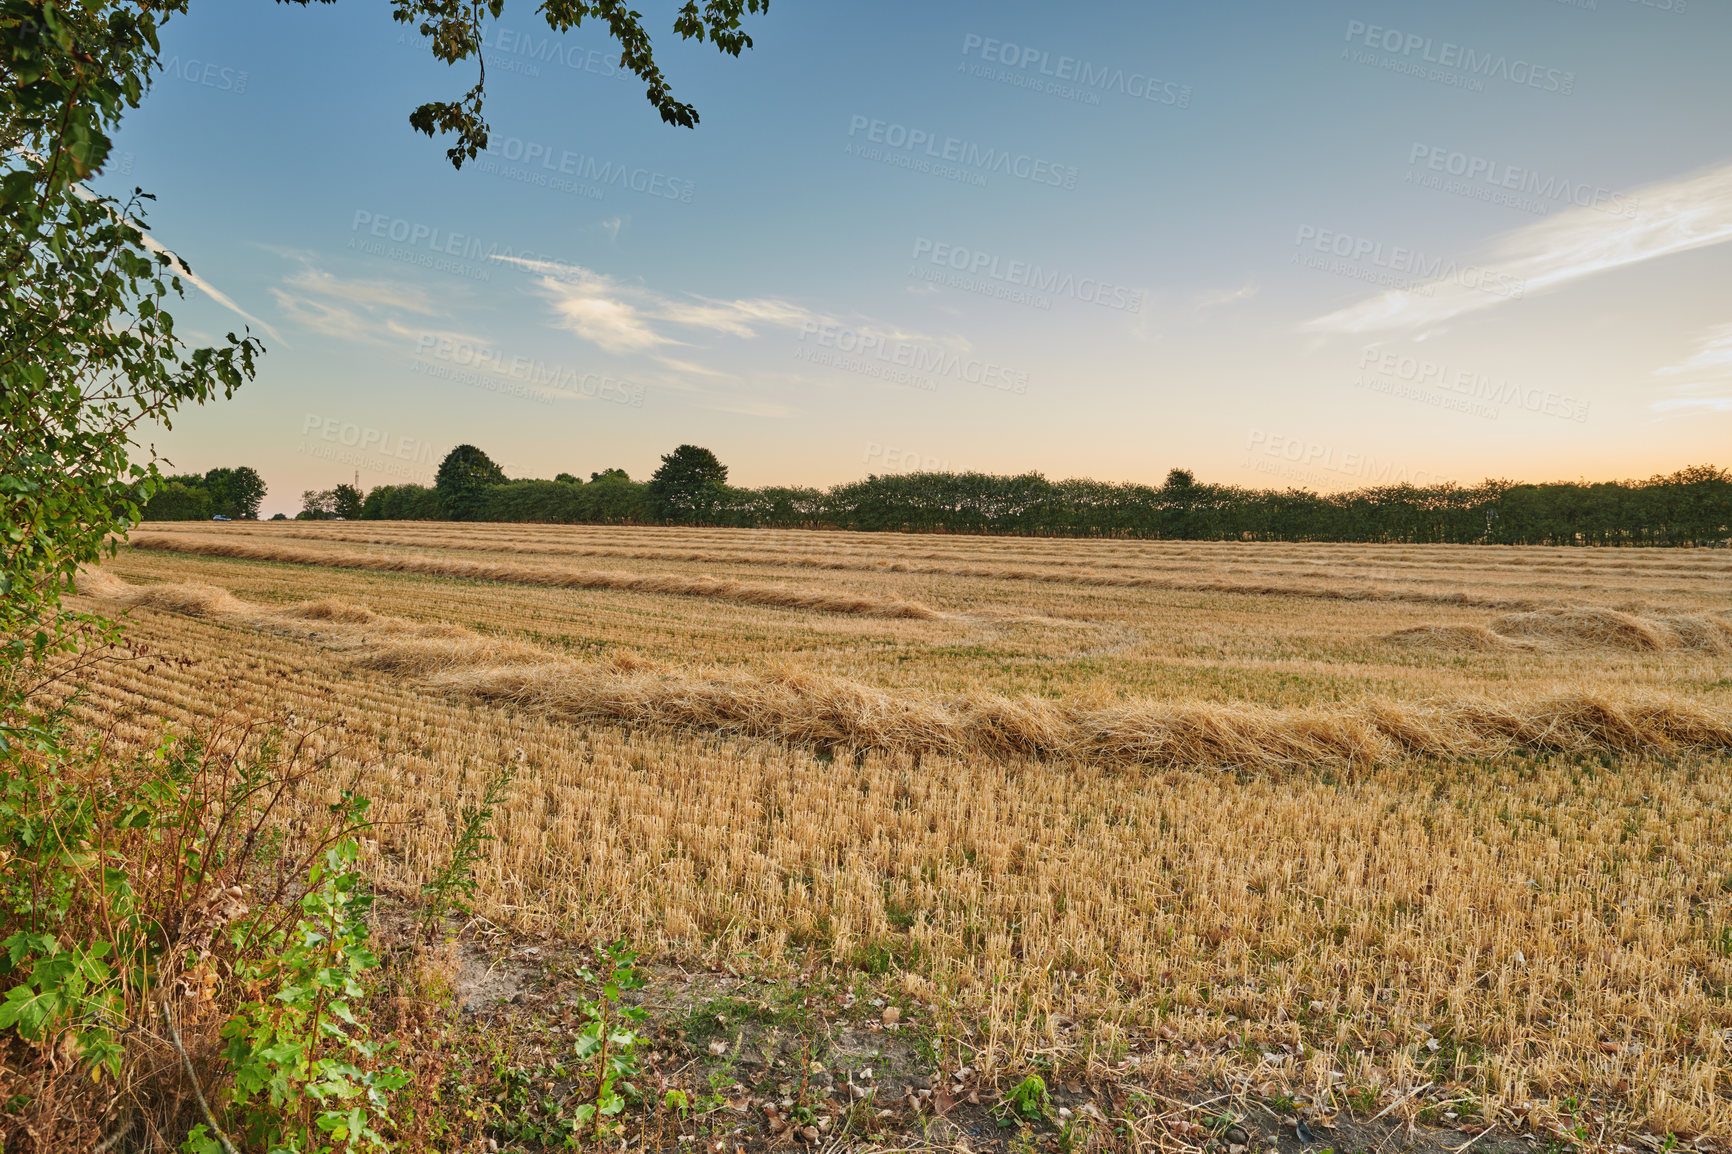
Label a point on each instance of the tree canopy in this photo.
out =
(463, 475)
(690, 483)
(235, 493)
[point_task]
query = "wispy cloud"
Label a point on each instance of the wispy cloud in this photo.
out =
(372, 295)
(749, 407)
(1709, 371)
(366, 311)
(1672, 216)
(624, 318)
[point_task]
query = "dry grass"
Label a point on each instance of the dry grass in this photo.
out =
(1516, 847)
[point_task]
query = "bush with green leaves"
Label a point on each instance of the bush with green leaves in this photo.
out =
(135, 889)
(307, 1079)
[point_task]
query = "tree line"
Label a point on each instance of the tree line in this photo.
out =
(1692, 506)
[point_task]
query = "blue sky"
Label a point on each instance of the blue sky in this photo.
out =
(1329, 244)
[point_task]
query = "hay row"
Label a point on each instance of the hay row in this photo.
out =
(828, 712)
(726, 589)
(756, 546)
(1578, 627)
(515, 539)
(830, 601)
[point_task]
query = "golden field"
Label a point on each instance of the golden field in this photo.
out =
(1319, 816)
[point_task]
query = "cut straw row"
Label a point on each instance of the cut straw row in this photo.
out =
(726, 589)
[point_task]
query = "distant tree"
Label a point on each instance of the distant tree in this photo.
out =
(463, 476)
(279, 517)
(346, 502)
(1180, 479)
(179, 499)
(402, 503)
(566, 479)
(690, 484)
(317, 505)
(616, 474)
(235, 493)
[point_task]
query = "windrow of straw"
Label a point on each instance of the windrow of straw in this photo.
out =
(1467, 638)
(1597, 627)
(340, 624)
(802, 547)
(1563, 627)
(826, 711)
(726, 589)
(1433, 567)
(1056, 572)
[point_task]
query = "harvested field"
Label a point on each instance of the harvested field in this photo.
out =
(1226, 810)
(824, 711)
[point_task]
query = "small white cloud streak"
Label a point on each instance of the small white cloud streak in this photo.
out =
(1711, 404)
(1673, 216)
(1712, 359)
(369, 294)
(621, 318)
(1219, 297)
(1711, 368)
